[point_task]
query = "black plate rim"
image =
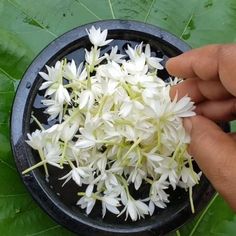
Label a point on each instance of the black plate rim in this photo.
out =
(35, 186)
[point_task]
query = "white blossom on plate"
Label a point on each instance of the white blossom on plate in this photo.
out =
(152, 61)
(53, 78)
(98, 37)
(116, 129)
(36, 139)
(52, 153)
(78, 174)
(87, 202)
(111, 204)
(93, 57)
(114, 55)
(136, 209)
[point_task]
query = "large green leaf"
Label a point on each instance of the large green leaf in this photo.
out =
(26, 26)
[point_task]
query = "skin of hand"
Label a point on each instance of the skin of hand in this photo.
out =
(210, 74)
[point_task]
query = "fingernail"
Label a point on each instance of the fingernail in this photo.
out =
(188, 124)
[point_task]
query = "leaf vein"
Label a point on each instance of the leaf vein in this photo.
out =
(13, 195)
(17, 6)
(6, 92)
(3, 123)
(8, 165)
(45, 230)
(9, 77)
(149, 11)
(188, 22)
(87, 9)
(111, 8)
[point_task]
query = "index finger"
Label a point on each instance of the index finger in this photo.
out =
(200, 90)
(207, 63)
(200, 63)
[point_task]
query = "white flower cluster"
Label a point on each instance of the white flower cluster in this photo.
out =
(117, 129)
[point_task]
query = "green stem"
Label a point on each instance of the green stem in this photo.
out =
(41, 154)
(125, 185)
(37, 122)
(158, 136)
(73, 84)
(128, 90)
(140, 157)
(33, 167)
(191, 199)
(101, 105)
(177, 233)
(135, 144)
(89, 83)
(65, 157)
(149, 181)
(176, 151)
(192, 171)
(119, 153)
(75, 113)
(63, 154)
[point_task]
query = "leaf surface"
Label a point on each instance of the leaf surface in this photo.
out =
(27, 26)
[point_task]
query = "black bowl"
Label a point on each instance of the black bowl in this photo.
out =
(59, 202)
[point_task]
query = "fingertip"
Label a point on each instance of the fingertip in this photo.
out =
(202, 132)
(171, 64)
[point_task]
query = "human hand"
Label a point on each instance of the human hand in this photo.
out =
(211, 83)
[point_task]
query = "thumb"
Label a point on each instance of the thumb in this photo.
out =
(215, 153)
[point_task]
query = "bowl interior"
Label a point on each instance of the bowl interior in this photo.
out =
(60, 202)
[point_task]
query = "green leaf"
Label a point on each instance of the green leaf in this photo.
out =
(27, 26)
(209, 219)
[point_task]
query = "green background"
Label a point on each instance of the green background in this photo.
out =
(27, 26)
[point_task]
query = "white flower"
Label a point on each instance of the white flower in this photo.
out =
(129, 105)
(62, 95)
(36, 139)
(109, 87)
(114, 56)
(137, 66)
(182, 108)
(136, 177)
(74, 74)
(168, 170)
(98, 37)
(136, 209)
(152, 61)
(53, 77)
(145, 81)
(135, 52)
(87, 202)
(110, 203)
(93, 57)
(77, 174)
(189, 177)
(54, 109)
(87, 138)
(112, 70)
(101, 163)
(157, 192)
(87, 99)
(52, 152)
(68, 131)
